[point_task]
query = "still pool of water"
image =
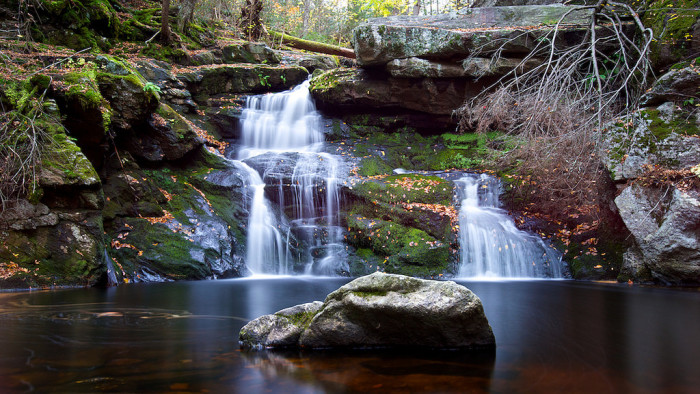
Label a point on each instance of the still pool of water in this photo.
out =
(552, 336)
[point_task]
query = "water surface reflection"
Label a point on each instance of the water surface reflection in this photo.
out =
(551, 336)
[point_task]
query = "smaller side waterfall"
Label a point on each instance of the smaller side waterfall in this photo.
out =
(491, 245)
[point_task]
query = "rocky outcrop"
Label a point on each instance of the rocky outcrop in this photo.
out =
(379, 310)
(655, 152)
(665, 225)
(357, 90)
(457, 35)
(431, 65)
(209, 81)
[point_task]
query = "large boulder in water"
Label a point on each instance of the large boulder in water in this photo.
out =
(379, 310)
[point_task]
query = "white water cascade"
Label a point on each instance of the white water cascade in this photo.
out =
(265, 250)
(490, 244)
(282, 138)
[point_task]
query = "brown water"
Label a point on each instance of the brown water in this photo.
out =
(552, 336)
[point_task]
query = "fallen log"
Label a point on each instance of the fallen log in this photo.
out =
(312, 46)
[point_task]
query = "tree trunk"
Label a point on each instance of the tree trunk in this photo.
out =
(250, 19)
(165, 23)
(416, 7)
(313, 46)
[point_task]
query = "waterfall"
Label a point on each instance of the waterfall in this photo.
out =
(490, 244)
(265, 251)
(282, 139)
(280, 122)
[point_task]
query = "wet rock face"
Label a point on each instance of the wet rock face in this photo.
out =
(379, 310)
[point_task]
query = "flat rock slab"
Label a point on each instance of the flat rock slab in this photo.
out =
(378, 311)
(514, 30)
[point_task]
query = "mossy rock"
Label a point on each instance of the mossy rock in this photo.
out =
(650, 137)
(249, 52)
(675, 25)
(406, 250)
(78, 24)
(193, 221)
(66, 254)
(65, 165)
(131, 103)
(407, 188)
(210, 81)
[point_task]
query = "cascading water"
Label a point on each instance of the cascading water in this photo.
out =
(281, 137)
(265, 250)
(490, 244)
(280, 122)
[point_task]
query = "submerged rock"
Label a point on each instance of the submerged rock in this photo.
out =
(378, 310)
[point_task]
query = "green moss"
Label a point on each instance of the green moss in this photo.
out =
(372, 166)
(166, 53)
(408, 188)
(300, 319)
(671, 21)
(370, 294)
(662, 129)
(330, 79)
(81, 87)
(406, 250)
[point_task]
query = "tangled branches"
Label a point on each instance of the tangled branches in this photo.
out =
(24, 135)
(558, 106)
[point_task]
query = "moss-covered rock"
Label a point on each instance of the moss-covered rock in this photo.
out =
(402, 224)
(177, 221)
(407, 188)
(653, 136)
(405, 250)
(249, 52)
(168, 136)
(131, 103)
(54, 248)
(676, 30)
(78, 24)
(65, 165)
(213, 80)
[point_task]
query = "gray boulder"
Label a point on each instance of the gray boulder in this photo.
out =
(676, 85)
(457, 35)
(664, 224)
(653, 136)
(379, 310)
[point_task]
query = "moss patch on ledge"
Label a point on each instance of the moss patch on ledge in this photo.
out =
(400, 249)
